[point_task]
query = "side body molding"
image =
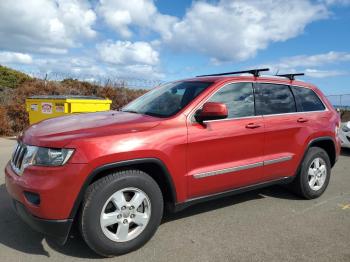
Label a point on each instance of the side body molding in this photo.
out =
(125, 163)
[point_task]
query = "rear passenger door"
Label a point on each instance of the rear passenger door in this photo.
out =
(283, 133)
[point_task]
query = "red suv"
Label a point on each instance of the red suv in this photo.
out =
(181, 143)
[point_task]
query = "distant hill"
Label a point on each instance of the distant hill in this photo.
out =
(11, 78)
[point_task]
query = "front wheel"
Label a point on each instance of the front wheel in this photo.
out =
(121, 212)
(314, 174)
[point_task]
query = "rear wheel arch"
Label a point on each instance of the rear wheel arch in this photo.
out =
(154, 167)
(327, 144)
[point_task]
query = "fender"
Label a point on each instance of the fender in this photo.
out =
(323, 138)
(125, 163)
(314, 140)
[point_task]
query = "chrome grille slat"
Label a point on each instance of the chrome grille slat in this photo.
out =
(21, 157)
(15, 155)
(15, 152)
(17, 158)
(17, 162)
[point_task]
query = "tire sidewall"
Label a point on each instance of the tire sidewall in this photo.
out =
(91, 218)
(313, 153)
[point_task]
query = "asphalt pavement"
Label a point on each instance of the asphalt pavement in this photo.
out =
(263, 225)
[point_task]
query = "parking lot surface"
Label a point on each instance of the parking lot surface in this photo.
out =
(263, 225)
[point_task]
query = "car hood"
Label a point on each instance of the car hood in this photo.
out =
(58, 132)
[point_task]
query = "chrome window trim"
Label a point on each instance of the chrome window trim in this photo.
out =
(243, 167)
(200, 104)
(293, 113)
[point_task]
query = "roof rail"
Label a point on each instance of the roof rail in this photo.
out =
(255, 72)
(291, 76)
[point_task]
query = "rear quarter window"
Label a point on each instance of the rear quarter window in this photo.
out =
(307, 100)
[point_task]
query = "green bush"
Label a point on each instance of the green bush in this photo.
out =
(11, 78)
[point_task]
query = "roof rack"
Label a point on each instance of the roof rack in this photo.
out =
(291, 76)
(255, 72)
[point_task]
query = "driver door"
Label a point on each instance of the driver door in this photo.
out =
(228, 153)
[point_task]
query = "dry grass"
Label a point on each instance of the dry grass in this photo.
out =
(13, 115)
(345, 116)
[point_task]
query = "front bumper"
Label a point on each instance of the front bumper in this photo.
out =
(57, 188)
(56, 229)
(344, 140)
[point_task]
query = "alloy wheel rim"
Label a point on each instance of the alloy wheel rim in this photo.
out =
(125, 214)
(317, 174)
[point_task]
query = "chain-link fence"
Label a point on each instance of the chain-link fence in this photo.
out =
(340, 101)
(342, 104)
(110, 80)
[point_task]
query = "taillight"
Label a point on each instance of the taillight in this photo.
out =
(337, 127)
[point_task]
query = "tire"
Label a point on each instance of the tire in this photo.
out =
(104, 204)
(301, 184)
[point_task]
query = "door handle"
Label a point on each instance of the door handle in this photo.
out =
(252, 125)
(302, 120)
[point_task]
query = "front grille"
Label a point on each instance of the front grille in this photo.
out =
(17, 158)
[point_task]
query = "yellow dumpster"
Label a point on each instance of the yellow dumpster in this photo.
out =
(44, 107)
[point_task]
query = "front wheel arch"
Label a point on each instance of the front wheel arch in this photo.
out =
(147, 165)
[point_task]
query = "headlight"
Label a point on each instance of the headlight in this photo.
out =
(42, 156)
(346, 128)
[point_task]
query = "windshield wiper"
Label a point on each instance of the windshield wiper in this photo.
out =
(130, 111)
(143, 113)
(153, 114)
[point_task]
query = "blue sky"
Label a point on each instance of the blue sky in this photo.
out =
(167, 40)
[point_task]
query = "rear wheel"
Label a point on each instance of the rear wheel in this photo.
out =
(121, 212)
(314, 174)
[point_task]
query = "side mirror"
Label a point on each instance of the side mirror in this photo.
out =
(211, 111)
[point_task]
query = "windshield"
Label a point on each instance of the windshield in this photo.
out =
(167, 100)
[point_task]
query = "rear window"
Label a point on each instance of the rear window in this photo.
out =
(307, 100)
(274, 99)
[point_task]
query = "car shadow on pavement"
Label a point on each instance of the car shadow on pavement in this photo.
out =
(15, 234)
(345, 152)
(272, 191)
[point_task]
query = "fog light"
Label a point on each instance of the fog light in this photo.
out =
(32, 198)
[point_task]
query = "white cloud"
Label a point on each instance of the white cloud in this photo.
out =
(136, 72)
(44, 25)
(312, 65)
(14, 58)
(128, 53)
(307, 61)
(236, 30)
(121, 14)
(336, 2)
(87, 68)
(314, 60)
(324, 73)
(66, 67)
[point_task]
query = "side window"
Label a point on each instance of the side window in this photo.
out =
(274, 99)
(238, 97)
(307, 100)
